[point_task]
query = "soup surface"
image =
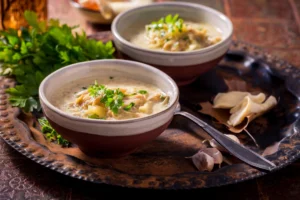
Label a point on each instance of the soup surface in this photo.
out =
(171, 33)
(111, 98)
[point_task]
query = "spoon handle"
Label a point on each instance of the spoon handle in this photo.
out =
(233, 147)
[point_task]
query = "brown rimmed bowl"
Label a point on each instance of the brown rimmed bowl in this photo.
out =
(105, 137)
(183, 67)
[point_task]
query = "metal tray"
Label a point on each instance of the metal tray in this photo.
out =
(164, 163)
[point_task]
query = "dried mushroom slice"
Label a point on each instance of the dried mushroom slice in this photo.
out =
(231, 99)
(222, 116)
(238, 114)
(249, 108)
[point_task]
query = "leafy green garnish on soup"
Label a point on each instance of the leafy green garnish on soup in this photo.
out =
(112, 99)
(168, 23)
(95, 89)
(32, 53)
(51, 134)
(143, 92)
(128, 107)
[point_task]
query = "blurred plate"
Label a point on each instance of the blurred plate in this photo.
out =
(90, 10)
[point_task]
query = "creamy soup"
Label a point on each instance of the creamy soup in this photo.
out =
(111, 98)
(173, 34)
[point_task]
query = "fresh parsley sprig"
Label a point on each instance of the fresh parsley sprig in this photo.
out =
(32, 53)
(51, 134)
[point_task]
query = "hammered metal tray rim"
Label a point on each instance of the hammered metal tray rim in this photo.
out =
(74, 175)
(8, 130)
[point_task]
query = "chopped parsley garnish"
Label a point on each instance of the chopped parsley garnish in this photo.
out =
(112, 99)
(129, 106)
(51, 134)
(169, 23)
(95, 89)
(143, 92)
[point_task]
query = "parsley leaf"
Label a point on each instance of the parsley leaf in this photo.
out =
(128, 107)
(143, 92)
(95, 89)
(169, 23)
(51, 134)
(112, 99)
(32, 53)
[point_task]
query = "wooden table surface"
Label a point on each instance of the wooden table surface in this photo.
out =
(271, 24)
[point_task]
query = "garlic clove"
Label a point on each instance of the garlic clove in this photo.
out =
(214, 153)
(202, 161)
(213, 143)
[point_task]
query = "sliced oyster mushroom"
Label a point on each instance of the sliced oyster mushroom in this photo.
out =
(231, 99)
(249, 107)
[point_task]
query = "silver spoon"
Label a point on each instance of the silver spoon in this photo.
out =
(248, 156)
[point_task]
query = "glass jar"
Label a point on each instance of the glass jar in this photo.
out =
(12, 12)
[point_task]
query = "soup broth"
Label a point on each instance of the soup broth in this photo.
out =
(111, 98)
(174, 34)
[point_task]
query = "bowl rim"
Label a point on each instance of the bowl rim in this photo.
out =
(156, 71)
(180, 53)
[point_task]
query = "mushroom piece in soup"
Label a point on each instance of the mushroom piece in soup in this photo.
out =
(172, 33)
(115, 98)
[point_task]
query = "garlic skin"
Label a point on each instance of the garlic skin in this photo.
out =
(231, 99)
(202, 161)
(249, 107)
(214, 153)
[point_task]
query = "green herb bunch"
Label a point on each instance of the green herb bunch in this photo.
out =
(32, 53)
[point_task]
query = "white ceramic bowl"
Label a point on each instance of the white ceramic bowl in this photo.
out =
(184, 67)
(100, 136)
